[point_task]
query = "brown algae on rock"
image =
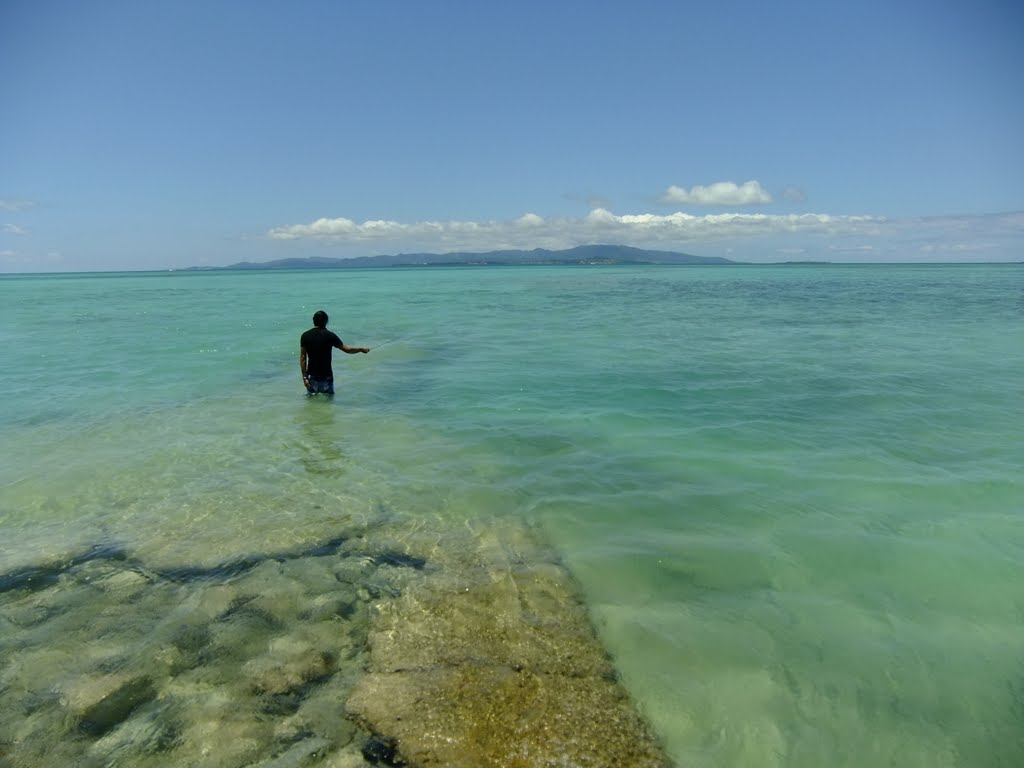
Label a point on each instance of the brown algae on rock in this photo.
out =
(493, 662)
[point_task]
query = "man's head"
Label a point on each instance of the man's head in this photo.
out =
(320, 319)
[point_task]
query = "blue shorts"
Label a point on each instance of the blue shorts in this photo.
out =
(316, 386)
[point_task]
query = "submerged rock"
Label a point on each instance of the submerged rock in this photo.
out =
(289, 664)
(151, 732)
(298, 754)
(231, 740)
(380, 751)
(476, 716)
(494, 663)
(472, 651)
(103, 702)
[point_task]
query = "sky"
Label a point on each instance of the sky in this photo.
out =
(148, 135)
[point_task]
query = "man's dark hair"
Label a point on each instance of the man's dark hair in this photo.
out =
(320, 319)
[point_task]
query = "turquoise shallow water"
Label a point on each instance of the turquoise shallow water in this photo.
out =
(791, 494)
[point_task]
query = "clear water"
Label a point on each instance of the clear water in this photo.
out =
(792, 495)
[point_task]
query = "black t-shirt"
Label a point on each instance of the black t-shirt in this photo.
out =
(318, 343)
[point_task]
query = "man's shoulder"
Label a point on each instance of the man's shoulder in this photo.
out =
(319, 334)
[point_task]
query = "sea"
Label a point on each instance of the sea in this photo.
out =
(791, 496)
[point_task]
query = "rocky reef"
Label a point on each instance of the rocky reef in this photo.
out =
(387, 645)
(493, 662)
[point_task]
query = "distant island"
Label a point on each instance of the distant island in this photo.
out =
(584, 254)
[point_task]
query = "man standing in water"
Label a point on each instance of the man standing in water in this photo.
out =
(315, 348)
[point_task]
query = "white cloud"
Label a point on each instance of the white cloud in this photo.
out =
(13, 229)
(600, 225)
(342, 229)
(945, 248)
(852, 248)
(719, 193)
(530, 220)
(794, 195)
(21, 259)
(591, 200)
(15, 205)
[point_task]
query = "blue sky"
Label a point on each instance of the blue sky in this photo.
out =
(156, 135)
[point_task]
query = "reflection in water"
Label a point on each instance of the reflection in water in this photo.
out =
(320, 442)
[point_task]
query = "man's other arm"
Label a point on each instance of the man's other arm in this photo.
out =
(303, 360)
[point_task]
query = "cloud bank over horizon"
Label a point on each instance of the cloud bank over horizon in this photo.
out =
(568, 231)
(972, 237)
(758, 237)
(940, 237)
(733, 234)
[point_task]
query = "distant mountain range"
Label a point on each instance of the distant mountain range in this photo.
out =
(584, 254)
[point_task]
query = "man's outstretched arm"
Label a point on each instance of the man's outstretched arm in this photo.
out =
(353, 350)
